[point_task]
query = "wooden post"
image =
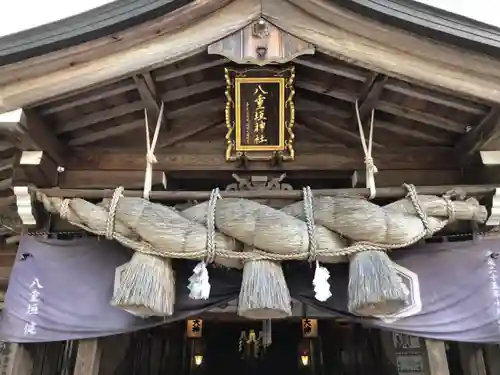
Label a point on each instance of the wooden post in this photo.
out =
(88, 358)
(16, 360)
(492, 359)
(114, 350)
(436, 356)
(472, 359)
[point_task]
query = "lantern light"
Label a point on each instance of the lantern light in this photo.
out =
(198, 359)
(304, 359)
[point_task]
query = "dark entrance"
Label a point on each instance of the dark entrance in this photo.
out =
(230, 349)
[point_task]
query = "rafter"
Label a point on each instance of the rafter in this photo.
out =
(27, 131)
(479, 136)
(423, 117)
(189, 131)
(100, 116)
(370, 94)
(336, 131)
(111, 131)
(338, 70)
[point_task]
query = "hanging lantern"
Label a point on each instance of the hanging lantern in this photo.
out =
(305, 353)
(197, 351)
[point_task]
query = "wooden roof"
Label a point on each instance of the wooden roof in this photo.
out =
(436, 105)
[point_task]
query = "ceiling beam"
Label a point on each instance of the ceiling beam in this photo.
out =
(150, 97)
(201, 156)
(475, 139)
(26, 130)
(370, 94)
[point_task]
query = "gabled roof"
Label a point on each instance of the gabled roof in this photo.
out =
(122, 14)
(96, 23)
(431, 22)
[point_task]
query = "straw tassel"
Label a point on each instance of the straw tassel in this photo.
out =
(264, 293)
(146, 286)
(374, 288)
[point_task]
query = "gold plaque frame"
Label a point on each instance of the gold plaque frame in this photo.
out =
(284, 149)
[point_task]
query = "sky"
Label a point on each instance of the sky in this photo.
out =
(18, 15)
(481, 10)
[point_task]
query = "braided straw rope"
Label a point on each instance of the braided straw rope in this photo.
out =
(277, 235)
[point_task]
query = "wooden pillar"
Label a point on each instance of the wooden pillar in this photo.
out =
(436, 357)
(114, 350)
(15, 360)
(88, 358)
(472, 359)
(492, 359)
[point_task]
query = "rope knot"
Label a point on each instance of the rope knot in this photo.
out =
(370, 164)
(151, 158)
(150, 151)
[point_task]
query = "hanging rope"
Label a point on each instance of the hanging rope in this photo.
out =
(371, 168)
(199, 282)
(321, 274)
(150, 150)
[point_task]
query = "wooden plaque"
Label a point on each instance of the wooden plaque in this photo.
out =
(309, 328)
(194, 328)
(260, 114)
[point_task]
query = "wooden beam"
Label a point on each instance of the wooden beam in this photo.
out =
(88, 96)
(370, 95)
(423, 117)
(200, 156)
(339, 132)
(385, 178)
(490, 158)
(89, 179)
(150, 97)
(319, 88)
(416, 133)
(35, 168)
(478, 136)
(472, 359)
(336, 69)
(188, 132)
(197, 88)
(191, 69)
(388, 192)
(436, 97)
(88, 358)
(100, 116)
(112, 131)
(492, 358)
(28, 132)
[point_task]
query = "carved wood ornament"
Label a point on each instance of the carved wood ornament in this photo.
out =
(261, 43)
